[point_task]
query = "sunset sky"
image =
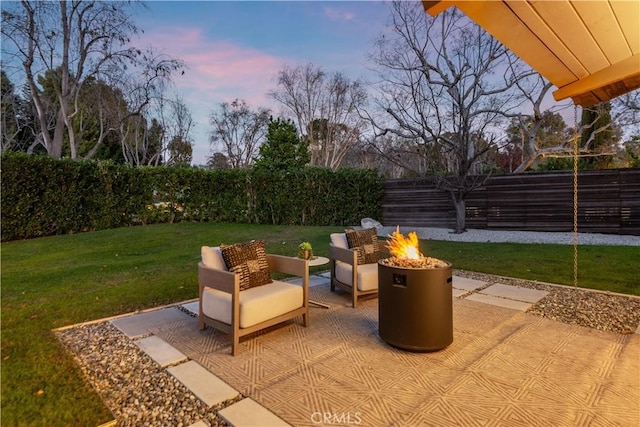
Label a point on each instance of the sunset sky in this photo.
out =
(234, 49)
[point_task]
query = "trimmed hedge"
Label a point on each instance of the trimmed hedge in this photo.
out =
(42, 196)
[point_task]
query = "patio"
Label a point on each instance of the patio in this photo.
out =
(504, 367)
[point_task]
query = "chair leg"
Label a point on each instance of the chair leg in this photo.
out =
(305, 319)
(235, 344)
(201, 325)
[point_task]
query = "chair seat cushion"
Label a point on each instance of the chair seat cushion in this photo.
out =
(367, 275)
(256, 304)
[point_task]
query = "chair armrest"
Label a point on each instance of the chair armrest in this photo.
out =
(288, 265)
(221, 280)
(350, 256)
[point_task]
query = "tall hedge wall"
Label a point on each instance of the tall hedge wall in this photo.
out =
(42, 196)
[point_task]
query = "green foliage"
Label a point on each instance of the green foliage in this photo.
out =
(599, 134)
(632, 148)
(566, 163)
(283, 148)
(316, 196)
(42, 196)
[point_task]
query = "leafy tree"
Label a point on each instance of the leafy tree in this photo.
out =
(534, 138)
(218, 161)
(632, 148)
(180, 152)
(283, 148)
(599, 131)
(600, 135)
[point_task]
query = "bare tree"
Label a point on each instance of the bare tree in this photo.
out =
(591, 127)
(325, 109)
(76, 40)
(238, 131)
(12, 115)
(179, 126)
(445, 83)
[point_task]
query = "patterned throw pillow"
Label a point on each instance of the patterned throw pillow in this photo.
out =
(249, 260)
(366, 241)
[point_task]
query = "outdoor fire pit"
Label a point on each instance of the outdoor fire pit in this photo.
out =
(414, 297)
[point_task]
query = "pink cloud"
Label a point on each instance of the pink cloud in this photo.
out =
(338, 15)
(217, 71)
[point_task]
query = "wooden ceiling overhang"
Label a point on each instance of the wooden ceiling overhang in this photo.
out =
(590, 50)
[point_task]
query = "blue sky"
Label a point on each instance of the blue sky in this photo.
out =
(234, 49)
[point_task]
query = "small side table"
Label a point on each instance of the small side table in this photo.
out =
(316, 261)
(319, 260)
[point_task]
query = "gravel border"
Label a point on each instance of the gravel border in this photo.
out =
(501, 236)
(133, 386)
(605, 311)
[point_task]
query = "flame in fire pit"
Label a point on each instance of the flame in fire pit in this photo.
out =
(404, 247)
(405, 252)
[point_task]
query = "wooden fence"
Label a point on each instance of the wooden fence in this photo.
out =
(608, 202)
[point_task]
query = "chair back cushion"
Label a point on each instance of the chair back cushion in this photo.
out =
(367, 275)
(366, 241)
(256, 304)
(339, 240)
(249, 260)
(212, 257)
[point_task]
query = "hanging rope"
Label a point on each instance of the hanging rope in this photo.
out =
(575, 195)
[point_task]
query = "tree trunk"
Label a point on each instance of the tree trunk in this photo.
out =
(461, 212)
(55, 149)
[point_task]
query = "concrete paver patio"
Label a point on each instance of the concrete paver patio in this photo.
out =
(505, 367)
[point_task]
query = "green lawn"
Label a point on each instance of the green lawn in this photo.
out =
(57, 281)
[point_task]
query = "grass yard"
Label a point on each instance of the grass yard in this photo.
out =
(58, 281)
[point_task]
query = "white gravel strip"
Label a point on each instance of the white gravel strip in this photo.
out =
(500, 236)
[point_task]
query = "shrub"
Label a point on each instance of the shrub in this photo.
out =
(42, 196)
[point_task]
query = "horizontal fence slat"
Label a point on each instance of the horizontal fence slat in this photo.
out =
(608, 202)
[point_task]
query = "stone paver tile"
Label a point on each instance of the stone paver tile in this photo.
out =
(515, 292)
(248, 412)
(209, 388)
(192, 307)
(459, 292)
(140, 324)
(501, 302)
(326, 274)
(161, 351)
(467, 284)
(314, 280)
(199, 424)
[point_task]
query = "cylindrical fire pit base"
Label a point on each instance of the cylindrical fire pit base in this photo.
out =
(415, 307)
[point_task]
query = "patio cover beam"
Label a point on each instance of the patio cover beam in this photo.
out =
(590, 50)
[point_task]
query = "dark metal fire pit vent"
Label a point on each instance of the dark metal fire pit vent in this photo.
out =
(415, 307)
